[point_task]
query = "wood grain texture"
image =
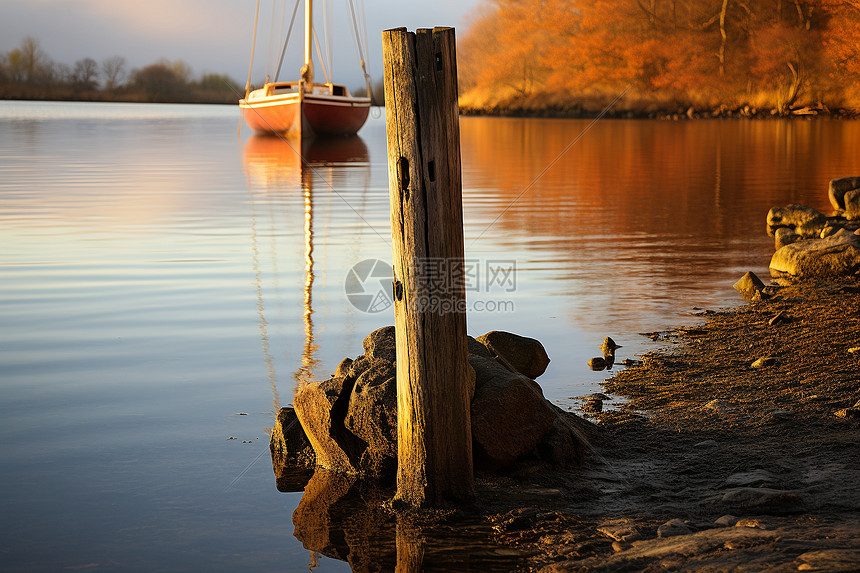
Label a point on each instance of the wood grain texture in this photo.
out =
(422, 123)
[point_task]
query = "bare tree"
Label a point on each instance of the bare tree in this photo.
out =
(63, 74)
(85, 75)
(113, 72)
(35, 65)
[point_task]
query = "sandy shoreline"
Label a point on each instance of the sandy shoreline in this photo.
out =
(705, 435)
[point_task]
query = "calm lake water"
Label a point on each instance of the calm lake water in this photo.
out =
(165, 284)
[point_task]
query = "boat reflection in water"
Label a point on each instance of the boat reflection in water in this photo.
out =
(284, 165)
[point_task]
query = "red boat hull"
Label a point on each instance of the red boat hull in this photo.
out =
(307, 115)
(330, 116)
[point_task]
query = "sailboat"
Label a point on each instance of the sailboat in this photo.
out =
(304, 108)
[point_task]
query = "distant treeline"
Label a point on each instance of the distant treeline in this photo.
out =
(697, 57)
(28, 73)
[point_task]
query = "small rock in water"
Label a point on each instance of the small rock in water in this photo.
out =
(763, 362)
(597, 363)
(749, 286)
(596, 396)
(608, 347)
(629, 363)
(672, 528)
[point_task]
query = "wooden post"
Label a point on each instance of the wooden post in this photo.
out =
(434, 435)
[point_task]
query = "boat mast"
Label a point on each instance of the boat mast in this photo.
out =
(253, 46)
(308, 68)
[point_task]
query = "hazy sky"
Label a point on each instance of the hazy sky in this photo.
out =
(211, 35)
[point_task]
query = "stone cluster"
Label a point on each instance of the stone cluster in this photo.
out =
(810, 244)
(348, 423)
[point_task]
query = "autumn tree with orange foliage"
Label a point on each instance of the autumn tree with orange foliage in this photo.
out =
(669, 55)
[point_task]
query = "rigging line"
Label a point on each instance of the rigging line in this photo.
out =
(273, 22)
(319, 54)
(305, 163)
(327, 37)
(363, 13)
(534, 181)
(287, 41)
(244, 471)
(355, 31)
(360, 51)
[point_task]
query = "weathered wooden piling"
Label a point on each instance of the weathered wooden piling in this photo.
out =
(434, 438)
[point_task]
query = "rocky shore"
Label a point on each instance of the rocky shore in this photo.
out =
(348, 423)
(654, 111)
(736, 450)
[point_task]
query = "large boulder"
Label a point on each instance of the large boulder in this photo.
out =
(526, 355)
(835, 256)
(348, 424)
(343, 368)
(372, 417)
(381, 343)
(566, 442)
(365, 363)
(293, 458)
(321, 408)
(509, 415)
(783, 236)
(289, 444)
(838, 189)
(805, 221)
(477, 348)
